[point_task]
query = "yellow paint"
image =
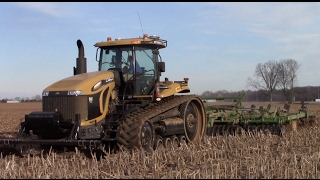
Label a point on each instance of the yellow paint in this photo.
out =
(174, 88)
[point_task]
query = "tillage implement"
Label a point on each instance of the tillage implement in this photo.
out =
(234, 118)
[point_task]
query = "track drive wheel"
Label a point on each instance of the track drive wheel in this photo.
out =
(195, 121)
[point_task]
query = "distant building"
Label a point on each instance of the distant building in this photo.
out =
(209, 100)
(13, 101)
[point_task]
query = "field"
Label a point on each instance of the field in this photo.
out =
(294, 155)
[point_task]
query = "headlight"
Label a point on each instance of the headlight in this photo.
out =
(97, 85)
(45, 93)
(74, 92)
(101, 83)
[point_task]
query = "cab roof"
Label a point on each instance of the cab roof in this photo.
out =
(146, 40)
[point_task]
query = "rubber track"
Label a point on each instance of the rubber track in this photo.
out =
(129, 135)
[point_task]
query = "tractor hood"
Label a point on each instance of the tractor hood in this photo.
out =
(88, 83)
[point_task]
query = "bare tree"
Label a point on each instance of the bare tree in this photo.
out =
(266, 77)
(293, 67)
(37, 97)
(283, 75)
(207, 94)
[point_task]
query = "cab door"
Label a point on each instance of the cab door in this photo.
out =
(144, 71)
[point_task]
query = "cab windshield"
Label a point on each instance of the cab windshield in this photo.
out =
(135, 63)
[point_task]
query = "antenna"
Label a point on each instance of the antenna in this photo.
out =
(140, 23)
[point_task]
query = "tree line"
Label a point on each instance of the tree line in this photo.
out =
(306, 93)
(36, 98)
(273, 80)
(274, 75)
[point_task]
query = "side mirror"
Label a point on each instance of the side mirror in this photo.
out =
(161, 66)
(97, 53)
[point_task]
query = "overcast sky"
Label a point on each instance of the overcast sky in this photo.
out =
(216, 45)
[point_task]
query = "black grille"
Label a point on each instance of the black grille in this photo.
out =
(67, 105)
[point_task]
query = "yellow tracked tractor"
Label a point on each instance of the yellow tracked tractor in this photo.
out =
(124, 103)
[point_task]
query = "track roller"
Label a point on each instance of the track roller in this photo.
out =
(167, 142)
(182, 140)
(158, 143)
(175, 141)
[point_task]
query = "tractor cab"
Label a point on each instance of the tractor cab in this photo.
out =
(137, 61)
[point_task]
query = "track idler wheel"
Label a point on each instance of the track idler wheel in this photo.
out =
(147, 136)
(195, 121)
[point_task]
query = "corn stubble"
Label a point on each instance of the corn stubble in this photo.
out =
(265, 156)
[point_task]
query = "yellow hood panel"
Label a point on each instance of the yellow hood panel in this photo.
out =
(84, 82)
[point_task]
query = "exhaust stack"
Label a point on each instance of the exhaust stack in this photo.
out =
(81, 66)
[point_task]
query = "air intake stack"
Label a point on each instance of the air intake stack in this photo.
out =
(81, 60)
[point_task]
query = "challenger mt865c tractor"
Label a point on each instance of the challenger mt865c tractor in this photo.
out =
(123, 103)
